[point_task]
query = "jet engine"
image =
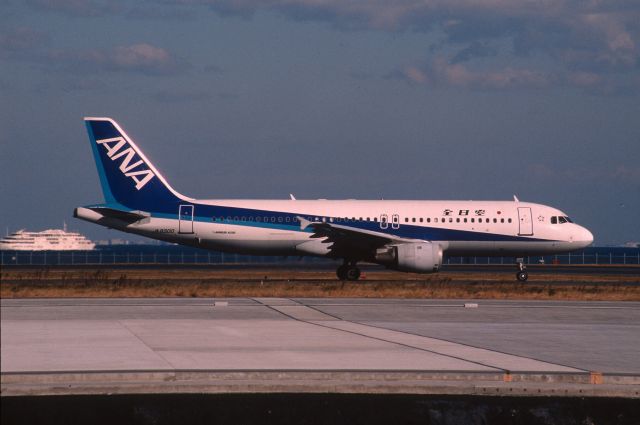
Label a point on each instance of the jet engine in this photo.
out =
(418, 257)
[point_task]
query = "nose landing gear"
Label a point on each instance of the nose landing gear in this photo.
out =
(348, 271)
(522, 274)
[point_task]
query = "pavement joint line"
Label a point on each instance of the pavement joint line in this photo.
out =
(588, 378)
(158, 354)
(454, 342)
(377, 339)
(324, 312)
(5, 304)
(473, 346)
(387, 341)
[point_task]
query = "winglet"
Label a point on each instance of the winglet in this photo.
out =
(293, 198)
(515, 198)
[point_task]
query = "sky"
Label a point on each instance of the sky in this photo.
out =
(431, 99)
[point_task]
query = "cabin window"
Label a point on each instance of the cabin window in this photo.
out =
(465, 220)
(554, 220)
(451, 220)
(495, 220)
(413, 220)
(420, 219)
(250, 218)
(428, 219)
(435, 220)
(502, 220)
(243, 218)
(457, 220)
(509, 220)
(406, 219)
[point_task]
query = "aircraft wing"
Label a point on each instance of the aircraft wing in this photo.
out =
(347, 240)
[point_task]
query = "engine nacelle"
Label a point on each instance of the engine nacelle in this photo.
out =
(419, 257)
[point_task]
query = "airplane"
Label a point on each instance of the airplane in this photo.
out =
(410, 236)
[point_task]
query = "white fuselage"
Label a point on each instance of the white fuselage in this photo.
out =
(268, 227)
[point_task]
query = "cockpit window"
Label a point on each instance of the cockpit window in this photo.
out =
(560, 219)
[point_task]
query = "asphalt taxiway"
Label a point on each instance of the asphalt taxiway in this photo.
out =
(169, 345)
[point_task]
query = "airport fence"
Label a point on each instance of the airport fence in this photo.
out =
(140, 255)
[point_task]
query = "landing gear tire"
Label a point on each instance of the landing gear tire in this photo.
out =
(522, 274)
(353, 273)
(342, 272)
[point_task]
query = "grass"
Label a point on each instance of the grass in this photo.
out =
(63, 283)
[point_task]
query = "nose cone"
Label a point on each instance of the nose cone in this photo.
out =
(583, 237)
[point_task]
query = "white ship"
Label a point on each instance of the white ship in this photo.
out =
(47, 240)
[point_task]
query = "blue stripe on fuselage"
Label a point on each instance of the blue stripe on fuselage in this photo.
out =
(233, 215)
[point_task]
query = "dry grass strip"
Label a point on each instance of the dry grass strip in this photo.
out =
(65, 283)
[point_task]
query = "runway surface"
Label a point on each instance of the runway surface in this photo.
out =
(96, 346)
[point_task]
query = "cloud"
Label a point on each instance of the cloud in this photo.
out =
(474, 50)
(578, 37)
(140, 58)
(573, 38)
(441, 72)
(21, 42)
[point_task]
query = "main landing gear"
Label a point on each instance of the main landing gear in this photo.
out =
(522, 274)
(348, 271)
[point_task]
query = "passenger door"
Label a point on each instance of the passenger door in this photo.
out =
(185, 219)
(525, 222)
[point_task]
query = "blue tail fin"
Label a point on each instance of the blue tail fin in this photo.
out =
(127, 177)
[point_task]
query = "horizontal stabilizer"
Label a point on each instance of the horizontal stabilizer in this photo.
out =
(129, 216)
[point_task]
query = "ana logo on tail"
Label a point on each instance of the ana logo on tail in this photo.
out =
(114, 147)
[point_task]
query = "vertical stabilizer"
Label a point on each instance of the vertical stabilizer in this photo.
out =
(127, 177)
